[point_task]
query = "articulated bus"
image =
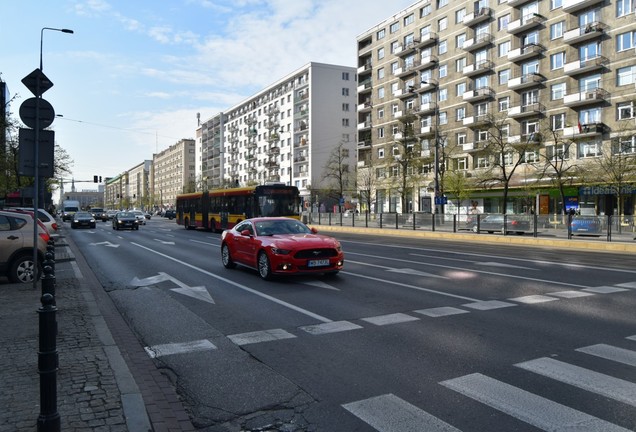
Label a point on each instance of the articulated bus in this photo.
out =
(220, 209)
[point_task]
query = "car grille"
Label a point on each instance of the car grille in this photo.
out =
(316, 253)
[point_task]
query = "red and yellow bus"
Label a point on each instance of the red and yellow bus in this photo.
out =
(220, 209)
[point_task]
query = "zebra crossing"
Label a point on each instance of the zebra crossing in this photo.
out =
(389, 413)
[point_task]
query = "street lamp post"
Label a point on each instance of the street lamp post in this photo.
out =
(436, 156)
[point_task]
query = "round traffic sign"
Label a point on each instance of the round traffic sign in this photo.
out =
(29, 110)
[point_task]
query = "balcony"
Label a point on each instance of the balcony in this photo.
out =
(517, 3)
(426, 62)
(584, 66)
(426, 39)
(479, 94)
(364, 144)
(364, 126)
(481, 15)
(365, 87)
(584, 33)
(406, 70)
(571, 6)
(525, 23)
(526, 52)
(588, 97)
(585, 130)
(426, 108)
(477, 121)
(366, 106)
(407, 48)
(426, 131)
(483, 66)
(472, 146)
(530, 110)
(427, 85)
(477, 42)
(367, 67)
(525, 81)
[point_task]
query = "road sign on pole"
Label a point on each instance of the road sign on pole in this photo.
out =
(37, 82)
(30, 109)
(26, 152)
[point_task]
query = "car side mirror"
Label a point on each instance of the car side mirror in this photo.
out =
(246, 233)
(314, 230)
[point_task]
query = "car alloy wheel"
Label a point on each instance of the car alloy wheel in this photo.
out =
(22, 270)
(264, 268)
(226, 258)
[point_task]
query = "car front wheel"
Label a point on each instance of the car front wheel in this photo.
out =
(226, 257)
(264, 267)
(21, 270)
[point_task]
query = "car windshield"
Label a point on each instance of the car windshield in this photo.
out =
(125, 215)
(82, 214)
(275, 227)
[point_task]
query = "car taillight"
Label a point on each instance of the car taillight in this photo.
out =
(54, 226)
(45, 236)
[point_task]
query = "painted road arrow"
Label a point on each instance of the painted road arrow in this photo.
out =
(415, 272)
(106, 243)
(199, 292)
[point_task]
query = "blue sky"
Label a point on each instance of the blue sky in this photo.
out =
(135, 73)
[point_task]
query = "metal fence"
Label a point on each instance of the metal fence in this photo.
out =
(608, 228)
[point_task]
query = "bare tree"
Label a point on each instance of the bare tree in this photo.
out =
(406, 155)
(338, 174)
(366, 181)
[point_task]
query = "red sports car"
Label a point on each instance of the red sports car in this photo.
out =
(279, 246)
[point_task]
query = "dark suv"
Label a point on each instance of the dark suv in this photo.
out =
(99, 214)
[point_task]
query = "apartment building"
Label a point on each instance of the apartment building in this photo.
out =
(173, 173)
(284, 133)
(554, 79)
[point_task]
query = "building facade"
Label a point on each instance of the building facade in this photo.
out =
(173, 173)
(285, 133)
(549, 81)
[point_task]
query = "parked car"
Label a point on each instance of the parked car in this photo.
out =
(16, 246)
(125, 220)
(45, 217)
(280, 246)
(83, 219)
(99, 214)
(141, 218)
(110, 214)
(170, 214)
(586, 225)
(147, 215)
(495, 223)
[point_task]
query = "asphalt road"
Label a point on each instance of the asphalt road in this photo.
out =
(414, 334)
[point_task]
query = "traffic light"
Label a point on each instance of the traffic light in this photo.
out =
(95, 178)
(100, 179)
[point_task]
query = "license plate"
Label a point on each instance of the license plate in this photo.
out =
(318, 263)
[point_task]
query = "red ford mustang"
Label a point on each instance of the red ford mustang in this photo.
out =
(278, 245)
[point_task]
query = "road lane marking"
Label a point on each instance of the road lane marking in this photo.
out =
(488, 305)
(605, 385)
(321, 284)
(394, 318)
(605, 289)
(533, 299)
(570, 294)
(441, 311)
(243, 287)
(384, 258)
(619, 355)
(260, 336)
(411, 286)
(527, 407)
(330, 327)
(179, 348)
(389, 413)
(205, 243)
(627, 285)
(472, 261)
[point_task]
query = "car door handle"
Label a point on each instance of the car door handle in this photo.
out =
(12, 237)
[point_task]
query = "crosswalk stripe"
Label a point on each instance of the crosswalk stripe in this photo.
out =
(389, 413)
(260, 336)
(179, 348)
(330, 327)
(395, 318)
(528, 407)
(619, 355)
(614, 388)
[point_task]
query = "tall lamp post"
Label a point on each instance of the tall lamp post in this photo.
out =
(436, 157)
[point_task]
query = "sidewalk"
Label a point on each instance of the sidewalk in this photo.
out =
(106, 382)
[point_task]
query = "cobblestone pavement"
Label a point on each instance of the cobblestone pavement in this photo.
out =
(105, 380)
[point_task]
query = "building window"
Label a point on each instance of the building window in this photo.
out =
(482, 162)
(443, 118)
(345, 92)
(624, 7)
(381, 135)
(460, 89)
(557, 60)
(589, 149)
(380, 34)
(380, 153)
(504, 104)
(424, 31)
(443, 71)
(381, 93)
(460, 39)
(557, 91)
(461, 138)
(502, 22)
(625, 145)
(625, 41)
(380, 53)
(504, 48)
(394, 27)
(460, 113)
(442, 47)
(442, 24)
(459, 15)
(556, 30)
(441, 3)
(394, 66)
(555, 4)
(504, 76)
(394, 46)
(409, 20)
(625, 76)
(443, 94)
(345, 106)
(557, 122)
(558, 152)
(425, 10)
(460, 64)
(625, 110)
(345, 76)
(462, 164)
(345, 122)
(380, 73)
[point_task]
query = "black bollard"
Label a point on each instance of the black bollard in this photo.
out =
(48, 281)
(48, 362)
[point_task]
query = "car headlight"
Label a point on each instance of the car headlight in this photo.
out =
(279, 251)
